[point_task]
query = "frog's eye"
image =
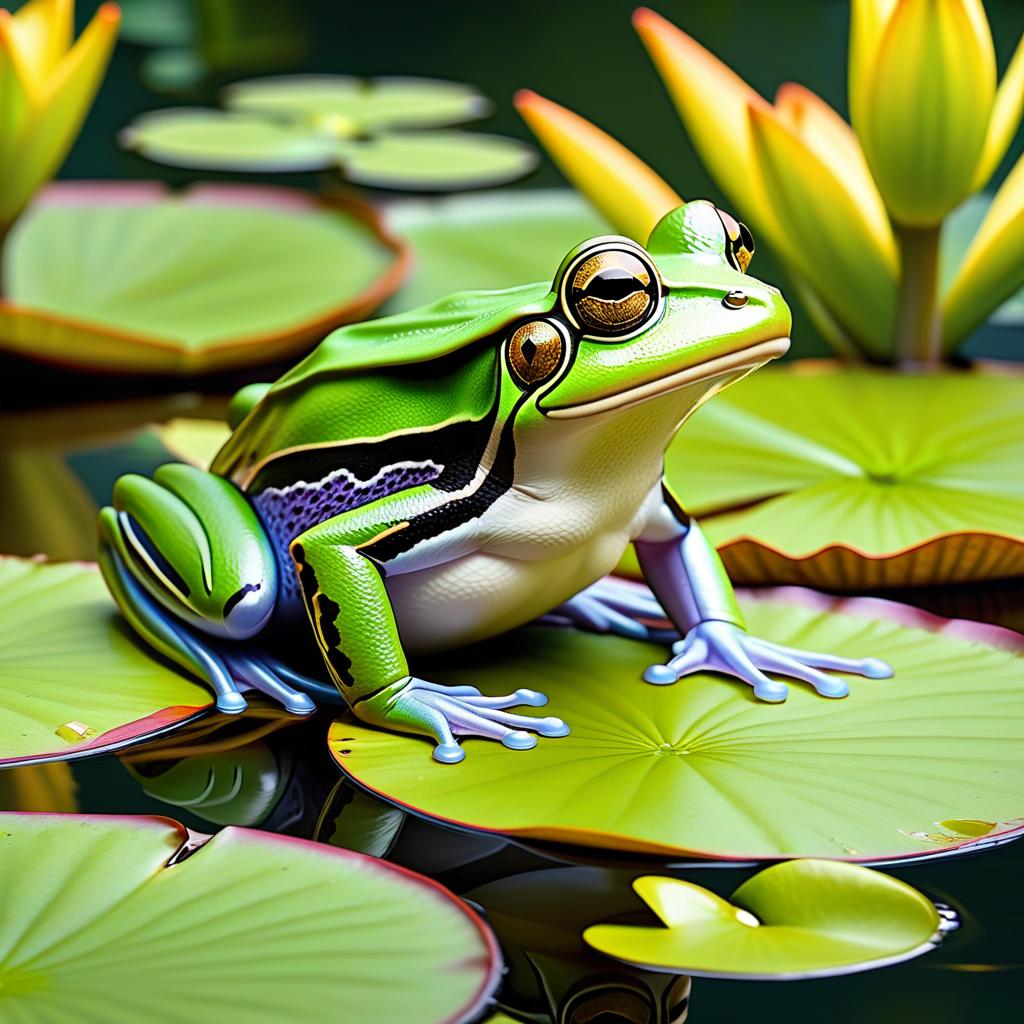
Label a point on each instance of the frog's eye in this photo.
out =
(535, 352)
(739, 242)
(611, 292)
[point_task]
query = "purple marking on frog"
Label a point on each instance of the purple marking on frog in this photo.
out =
(289, 511)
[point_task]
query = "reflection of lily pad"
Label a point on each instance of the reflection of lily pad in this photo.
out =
(802, 918)
(219, 278)
(858, 478)
(493, 240)
(702, 768)
(95, 922)
(72, 680)
(314, 122)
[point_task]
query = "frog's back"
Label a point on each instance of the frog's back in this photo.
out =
(370, 382)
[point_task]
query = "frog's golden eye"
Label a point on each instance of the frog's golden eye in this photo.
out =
(739, 242)
(535, 352)
(612, 292)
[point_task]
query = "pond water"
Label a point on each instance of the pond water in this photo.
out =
(275, 774)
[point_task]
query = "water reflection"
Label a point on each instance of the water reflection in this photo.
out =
(271, 771)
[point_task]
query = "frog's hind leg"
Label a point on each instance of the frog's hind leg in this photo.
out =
(618, 606)
(187, 562)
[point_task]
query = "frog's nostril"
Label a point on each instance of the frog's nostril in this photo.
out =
(735, 299)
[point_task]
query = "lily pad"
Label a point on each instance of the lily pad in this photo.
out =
(360, 127)
(73, 681)
(799, 919)
(363, 105)
(96, 921)
(220, 277)
(702, 768)
(856, 478)
(194, 440)
(488, 240)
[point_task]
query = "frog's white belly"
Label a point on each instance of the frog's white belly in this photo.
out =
(532, 556)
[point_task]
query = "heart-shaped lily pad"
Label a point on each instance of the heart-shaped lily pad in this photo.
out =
(96, 924)
(855, 478)
(489, 240)
(219, 277)
(702, 768)
(798, 919)
(73, 680)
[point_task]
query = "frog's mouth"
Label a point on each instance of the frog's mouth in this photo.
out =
(732, 364)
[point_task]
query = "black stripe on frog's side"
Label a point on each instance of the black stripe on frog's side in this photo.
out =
(450, 515)
(138, 536)
(323, 613)
(229, 604)
(458, 447)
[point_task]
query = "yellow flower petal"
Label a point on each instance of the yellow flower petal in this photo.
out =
(831, 244)
(925, 112)
(993, 266)
(628, 192)
(1006, 115)
(15, 101)
(41, 30)
(832, 139)
(47, 134)
(712, 102)
(868, 20)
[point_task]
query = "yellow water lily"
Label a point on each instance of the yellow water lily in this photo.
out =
(854, 212)
(47, 85)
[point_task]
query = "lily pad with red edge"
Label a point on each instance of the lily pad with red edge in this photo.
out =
(73, 680)
(216, 278)
(798, 919)
(703, 769)
(851, 479)
(104, 917)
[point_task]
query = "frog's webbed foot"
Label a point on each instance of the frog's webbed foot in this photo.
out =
(724, 647)
(613, 605)
(445, 712)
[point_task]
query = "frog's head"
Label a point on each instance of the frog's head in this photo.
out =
(633, 323)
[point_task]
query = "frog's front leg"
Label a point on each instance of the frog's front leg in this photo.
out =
(688, 578)
(342, 566)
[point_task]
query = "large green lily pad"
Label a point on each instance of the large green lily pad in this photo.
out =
(73, 681)
(124, 277)
(96, 925)
(488, 240)
(856, 478)
(702, 768)
(798, 919)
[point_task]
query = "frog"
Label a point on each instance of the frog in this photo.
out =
(436, 477)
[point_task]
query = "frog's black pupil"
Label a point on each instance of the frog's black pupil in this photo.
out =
(612, 285)
(529, 351)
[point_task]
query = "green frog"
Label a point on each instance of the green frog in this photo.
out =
(430, 479)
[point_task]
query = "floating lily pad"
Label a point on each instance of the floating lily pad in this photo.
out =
(490, 240)
(702, 768)
(73, 681)
(799, 919)
(194, 440)
(312, 122)
(219, 277)
(855, 478)
(251, 923)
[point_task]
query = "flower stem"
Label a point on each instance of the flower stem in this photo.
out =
(918, 337)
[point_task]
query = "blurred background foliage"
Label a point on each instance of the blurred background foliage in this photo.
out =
(584, 54)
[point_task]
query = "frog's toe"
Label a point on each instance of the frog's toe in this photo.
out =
(519, 740)
(231, 703)
(449, 753)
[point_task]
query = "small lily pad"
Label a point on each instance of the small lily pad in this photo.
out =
(73, 681)
(798, 919)
(702, 768)
(95, 921)
(488, 240)
(855, 478)
(220, 277)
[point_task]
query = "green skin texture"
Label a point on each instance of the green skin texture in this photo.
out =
(578, 455)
